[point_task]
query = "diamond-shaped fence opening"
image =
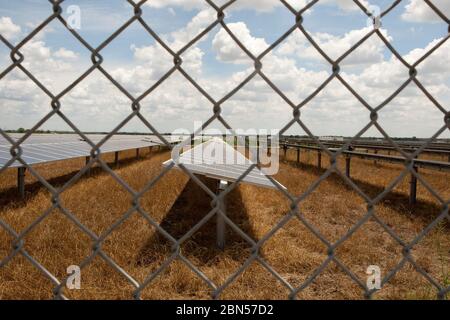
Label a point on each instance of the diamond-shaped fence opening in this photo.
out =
(179, 245)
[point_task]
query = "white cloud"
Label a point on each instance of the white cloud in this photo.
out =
(258, 5)
(420, 11)
(64, 53)
(177, 103)
(198, 23)
(227, 49)
(347, 5)
(8, 29)
(370, 51)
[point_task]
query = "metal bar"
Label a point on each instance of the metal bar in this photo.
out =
(298, 155)
(221, 228)
(421, 163)
(87, 159)
(413, 188)
(319, 159)
(116, 158)
(137, 153)
(21, 181)
(347, 166)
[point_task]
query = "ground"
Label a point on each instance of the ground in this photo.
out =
(177, 203)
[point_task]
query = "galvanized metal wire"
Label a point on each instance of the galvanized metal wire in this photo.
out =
(57, 109)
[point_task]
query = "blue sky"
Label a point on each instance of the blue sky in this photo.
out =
(219, 66)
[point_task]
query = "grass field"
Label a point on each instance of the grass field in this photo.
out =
(177, 203)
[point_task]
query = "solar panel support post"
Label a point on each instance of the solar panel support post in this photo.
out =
(116, 158)
(319, 160)
(298, 155)
(87, 159)
(257, 143)
(21, 181)
(347, 166)
(413, 188)
(220, 219)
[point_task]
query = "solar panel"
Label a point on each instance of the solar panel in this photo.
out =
(45, 148)
(219, 160)
(67, 137)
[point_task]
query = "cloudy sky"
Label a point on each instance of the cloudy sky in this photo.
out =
(136, 61)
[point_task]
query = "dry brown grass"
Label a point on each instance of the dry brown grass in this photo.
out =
(177, 203)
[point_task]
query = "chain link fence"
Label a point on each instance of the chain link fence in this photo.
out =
(57, 109)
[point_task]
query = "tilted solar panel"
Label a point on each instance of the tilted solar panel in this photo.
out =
(219, 160)
(48, 149)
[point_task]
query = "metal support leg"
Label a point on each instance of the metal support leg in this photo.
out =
(137, 153)
(347, 166)
(21, 181)
(220, 219)
(86, 162)
(298, 154)
(413, 188)
(116, 158)
(319, 160)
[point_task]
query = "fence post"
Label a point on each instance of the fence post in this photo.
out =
(298, 155)
(413, 188)
(21, 181)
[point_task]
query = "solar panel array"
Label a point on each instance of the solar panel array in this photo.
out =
(45, 148)
(219, 160)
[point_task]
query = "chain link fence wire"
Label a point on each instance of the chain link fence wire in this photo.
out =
(57, 109)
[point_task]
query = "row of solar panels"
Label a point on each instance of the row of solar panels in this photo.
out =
(45, 148)
(58, 138)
